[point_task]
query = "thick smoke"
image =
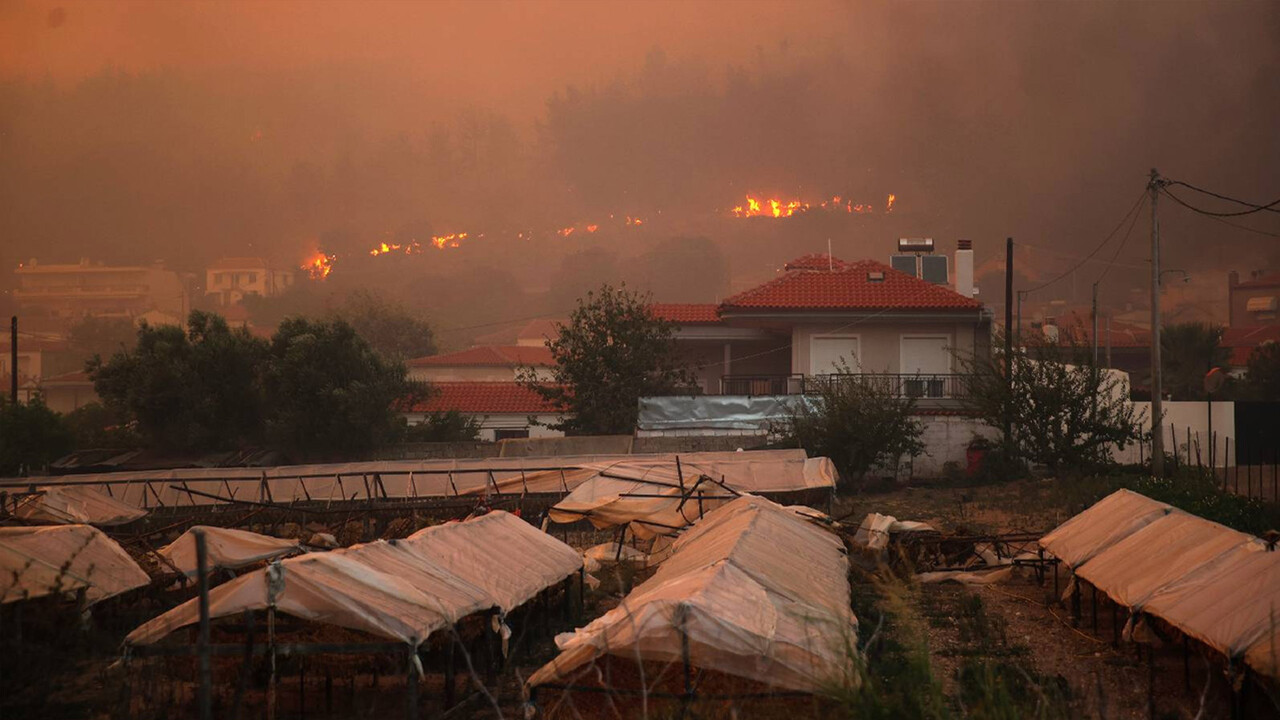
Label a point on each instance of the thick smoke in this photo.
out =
(187, 132)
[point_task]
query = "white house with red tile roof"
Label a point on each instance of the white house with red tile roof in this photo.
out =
(821, 314)
(504, 409)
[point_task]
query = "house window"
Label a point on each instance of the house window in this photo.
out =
(510, 433)
(253, 277)
(925, 358)
(831, 353)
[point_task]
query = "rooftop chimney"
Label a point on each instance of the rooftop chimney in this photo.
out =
(964, 268)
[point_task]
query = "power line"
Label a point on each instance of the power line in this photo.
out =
(1123, 240)
(1224, 221)
(1210, 213)
(1132, 211)
(1269, 207)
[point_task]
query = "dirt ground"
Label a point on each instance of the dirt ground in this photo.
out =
(1102, 680)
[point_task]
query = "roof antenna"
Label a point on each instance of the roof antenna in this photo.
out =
(830, 262)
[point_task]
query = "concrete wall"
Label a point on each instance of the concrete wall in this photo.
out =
(1184, 415)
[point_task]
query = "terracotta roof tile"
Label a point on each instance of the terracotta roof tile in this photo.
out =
(490, 356)
(687, 313)
(481, 398)
(816, 262)
(849, 287)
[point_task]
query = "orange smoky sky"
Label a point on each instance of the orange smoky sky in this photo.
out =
(501, 54)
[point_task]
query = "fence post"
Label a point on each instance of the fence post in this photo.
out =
(206, 679)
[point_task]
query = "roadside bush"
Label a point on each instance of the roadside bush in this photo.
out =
(860, 425)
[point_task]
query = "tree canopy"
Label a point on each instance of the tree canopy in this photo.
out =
(317, 389)
(1187, 352)
(1065, 416)
(328, 391)
(611, 353)
(31, 435)
(860, 424)
(388, 327)
(1262, 378)
(196, 389)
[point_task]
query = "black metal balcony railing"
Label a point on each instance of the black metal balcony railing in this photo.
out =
(930, 386)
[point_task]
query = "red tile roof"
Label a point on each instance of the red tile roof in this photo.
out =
(490, 356)
(849, 288)
(481, 398)
(816, 262)
(1243, 341)
(687, 313)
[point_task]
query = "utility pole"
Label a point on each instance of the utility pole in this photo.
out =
(1008, 342)
(13, 358)
(1157, 423)
(1095, 324)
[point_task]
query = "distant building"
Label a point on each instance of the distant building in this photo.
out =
(229, 280)
(68, 391)
(1252, 303)
(56, 297)
(505, 410)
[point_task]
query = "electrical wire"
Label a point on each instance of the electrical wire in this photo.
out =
(1224, 221)
(1269, 207)
(1211, 213)
(1132, 211)
(1123, 240)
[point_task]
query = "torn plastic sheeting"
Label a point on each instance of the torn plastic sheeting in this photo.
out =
(733, 585)
(968, 577)
(226, 548)
(39, 561)
(76, 505)
(1106, 523)
(661, 499)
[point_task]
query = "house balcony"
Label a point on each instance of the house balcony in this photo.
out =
(924, 387)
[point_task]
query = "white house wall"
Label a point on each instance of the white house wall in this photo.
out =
(880, 344)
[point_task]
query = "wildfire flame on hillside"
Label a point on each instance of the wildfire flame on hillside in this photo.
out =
(319, 265)
(775, 208)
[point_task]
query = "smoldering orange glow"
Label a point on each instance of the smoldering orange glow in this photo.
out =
(888, 207)
(592, 228)
(318, 265)
(565, 232)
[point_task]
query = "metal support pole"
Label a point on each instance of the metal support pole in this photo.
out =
(1157, 414)
(449, 682)
(411, 685)
(1008, 342)
(13, 358)
(1094, 608)
(206, 670)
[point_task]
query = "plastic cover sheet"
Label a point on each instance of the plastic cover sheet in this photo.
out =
(720, 412)
(1153, 556)
(1231, 604)
(226, 548)
(325, 587)
(377, 479)
(398, 589)
(38, 561)
(500, 553)
(76, 505)
(760, 592)
(1110, 520)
